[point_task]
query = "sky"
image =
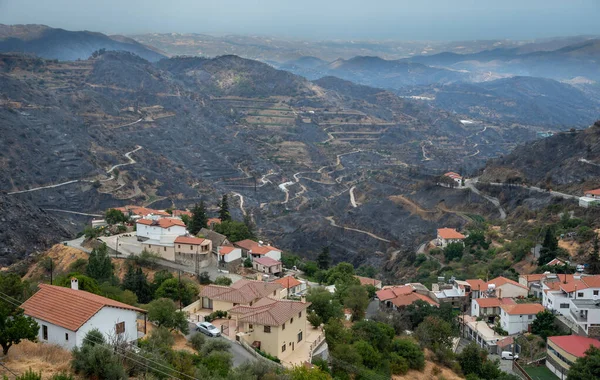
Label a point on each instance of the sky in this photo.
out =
(317, 19)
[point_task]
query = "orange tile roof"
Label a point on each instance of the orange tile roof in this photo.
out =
(246, 244)
(556, 261)
(287, 282)
(574, 344)
(211, 221)
(523, 308)
(449, 233)
(189, 240)
(533, 277)
(162, 223)
(593, 192)
(242, 291)
(181, 213)
(267, 261)
(477, 284)
(368, 281)
(68, 308)
(270, 312)
(494, 302)
(225, 250)
(591, 281)
(394, 291)
(453, 175)
(572, 286)
(254, 247)
(499, 281)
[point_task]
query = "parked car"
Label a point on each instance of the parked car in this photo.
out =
(208, 329)
(507, 355)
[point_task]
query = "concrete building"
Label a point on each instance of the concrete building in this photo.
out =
(446, 236)
(192, 251)
(481, 333)
(267, 265)
(507, 288)
(291, 286)
(518, 318)
(161, 231)
(255, 250)
(586, 314)
(66, 315)
(488, 307)
(273, 326)
(229, 256)
(241, 292)
(563, 351)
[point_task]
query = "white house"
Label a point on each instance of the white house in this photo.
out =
(163, 230)
(517, 318)
(255, 250)
(560, 289)
(228, 255)
(483, 307)
(592, 193)
(446, 236)
(291, 285)
(66, 315)
(507, 288)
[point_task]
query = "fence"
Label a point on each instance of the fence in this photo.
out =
(520, 371)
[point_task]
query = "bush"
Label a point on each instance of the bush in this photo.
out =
(62, 376)
(270, 357)
(197, 341)
(398, 364)
(222, 280)
(218, 363)
(78, 266)
(146, 259)
(247, 263)
(214, 345)
(215, 315)
(30, 375)
(160, 339)
(314, 319)
(204, 278)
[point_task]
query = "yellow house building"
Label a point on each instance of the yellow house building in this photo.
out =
(242, 292)
(274, 326)
(563, 351)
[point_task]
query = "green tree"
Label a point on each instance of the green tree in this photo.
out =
(160, 339)
(454, 251)
(83, 282)
(357, 300)
(324, 304)
(177, 290)
(586, 367)
(160, 277)
(314, 319)
(222, 280)
(324, 259)
(346, 361)
(136, 281)
(594, 260)
(199, 218)
(235, 231)
(218, 362)
(303, 373)
(114, 216)
(336, 334)
(434, 333)
(544, 324)
(224, 214)
(163, 312)
(371, 358)
(378, 334)
(410, 351)
(99, 264)
(197, 341)
(95, 360)
(549, 247)
(471, 359)
(15, 327)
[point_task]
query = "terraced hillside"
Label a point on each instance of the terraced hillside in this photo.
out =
(311, 163)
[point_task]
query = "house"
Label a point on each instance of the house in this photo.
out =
(481, 333)
(369, 281)
(211, 222)
(454, 176)
(217, 239)
(457, 293)
(267, 265)
(587, 202)
(66, 315)
(229, 256)
(137, 212)
(478, 288)
(277, 327)
(557, 262)
(518, 318)
(241, 292)
(396, 297)
(255, 250)
(586, 314)
(595, 194)
(507, 288)
(163, 230)
(488, 307)
(533, 282)
(192, 251)
(563, 351)
(180, 213)
(291, 285)
(446, 236)
(561, 289)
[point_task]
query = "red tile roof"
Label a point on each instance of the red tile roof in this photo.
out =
(523, 308)
(556, 261)
(591, 281)
(68, 308)
(189, 240)
(453, 175)
(212, 221)
(162, 223)
(477, 284)
(267, 261)
(287, 282)
(242, 291)
(225, 250)
(393, 292)
(449, 233)
(270, 312)
(499, 281)
(574, 344)
(593, 192)
(573, 286)
(181, 213)
(246, 244)
(368, 281)
(254, 247)
(493, 302)
(533, 277)
(408, 299)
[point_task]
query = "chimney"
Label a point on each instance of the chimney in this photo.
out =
(500, 293)
(303, 299)
(74, 283)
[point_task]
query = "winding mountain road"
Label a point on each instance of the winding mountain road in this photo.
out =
(470, 183)
(334, 224)
(352, 198)
(128, 156)
(73, 212)
(241, 202)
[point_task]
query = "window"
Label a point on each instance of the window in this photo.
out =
(283, 326)
(165, 248)
(283, 348)
(267, 329)
(595, 292)
(178, 245)
(44, 332)
(275, 292)
(67, 337)
(564, 305)
(120, 328)
(580, 294)
(300, 336)
(291, 320)
(300, 315)
(250, 326)
(530, 317)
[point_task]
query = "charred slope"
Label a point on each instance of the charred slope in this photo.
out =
(65, 45)
(567, 160)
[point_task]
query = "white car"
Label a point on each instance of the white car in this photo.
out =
(507, 355)
(208, 329)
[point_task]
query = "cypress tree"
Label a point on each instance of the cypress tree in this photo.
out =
(199, 218)
(224, 214)
(99, 264)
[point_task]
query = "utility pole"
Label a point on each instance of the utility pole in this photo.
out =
(51, 269)
(179, 288)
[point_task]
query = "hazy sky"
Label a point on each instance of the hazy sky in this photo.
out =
(317, 19)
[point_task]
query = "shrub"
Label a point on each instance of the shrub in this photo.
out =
(78, 266)
(30, 375)
(197, 341)
(270, 357)
(147, 259)
(222, 280)
(215, 345)
(247, 263)
(62, 376)
(204, 278)
(314, 319)
(398, 364)
(160, 339)
(215, 315)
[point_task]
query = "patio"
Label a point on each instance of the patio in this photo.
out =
(303, 352)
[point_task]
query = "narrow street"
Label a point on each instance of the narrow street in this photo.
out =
(239, 353)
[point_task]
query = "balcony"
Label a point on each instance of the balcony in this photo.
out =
(577, 316)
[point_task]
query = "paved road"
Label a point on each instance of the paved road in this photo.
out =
(240, 354)
(505, 365)
(333, 223)
(470, 183)
(533, 188)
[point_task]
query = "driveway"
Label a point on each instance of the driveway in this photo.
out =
(240, 355)
(505, 365)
